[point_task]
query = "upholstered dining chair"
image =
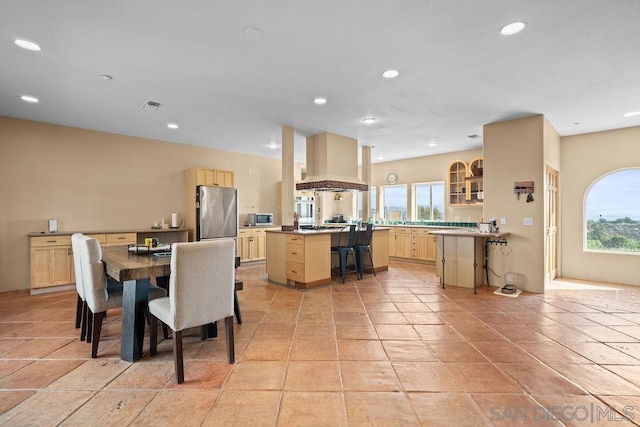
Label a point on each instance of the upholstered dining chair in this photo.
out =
(98, 296)
(81, 305)
(345, 248)
(201, 291)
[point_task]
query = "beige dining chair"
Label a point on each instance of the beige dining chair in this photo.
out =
(201, 291)
(81, 305)
(98, 296)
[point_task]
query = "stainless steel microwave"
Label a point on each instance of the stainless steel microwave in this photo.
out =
(256, 219)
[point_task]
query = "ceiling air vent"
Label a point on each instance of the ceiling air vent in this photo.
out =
(474, 136)
(151, 106)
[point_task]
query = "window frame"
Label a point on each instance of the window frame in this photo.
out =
(414, 201)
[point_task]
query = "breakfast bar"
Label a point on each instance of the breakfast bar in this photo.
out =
(302, 258)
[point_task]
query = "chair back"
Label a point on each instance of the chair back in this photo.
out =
(351, 239)
(368, 235)
(202, 282)
(353, 235)
(94, 278)
(75, 248)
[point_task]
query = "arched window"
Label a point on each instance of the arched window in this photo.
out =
(612, 213)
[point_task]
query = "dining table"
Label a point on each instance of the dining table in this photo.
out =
(135, 272)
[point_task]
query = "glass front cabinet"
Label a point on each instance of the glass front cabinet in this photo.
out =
(465, 183)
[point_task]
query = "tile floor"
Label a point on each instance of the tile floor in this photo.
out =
(391, 350)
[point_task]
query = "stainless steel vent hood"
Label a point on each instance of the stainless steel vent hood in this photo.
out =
(332, 164)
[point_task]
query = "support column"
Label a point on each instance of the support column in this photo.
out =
(288, 181)
(366, 177)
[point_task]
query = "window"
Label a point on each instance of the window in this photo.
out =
(372, 190)
(429, 204)
(612, 213)
(395, 202)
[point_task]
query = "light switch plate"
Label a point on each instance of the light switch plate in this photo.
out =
(503, 220)
(528, 221)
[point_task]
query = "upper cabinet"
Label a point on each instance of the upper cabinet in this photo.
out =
(214, 177)
(465, 183)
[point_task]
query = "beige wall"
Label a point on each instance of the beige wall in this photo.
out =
(427, 169)
(92, 180)
(585, 158)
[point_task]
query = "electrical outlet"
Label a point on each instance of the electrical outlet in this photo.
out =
(503, 220)
(528, 221)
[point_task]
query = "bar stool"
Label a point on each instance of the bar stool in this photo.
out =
(344, 251)
(361, 248)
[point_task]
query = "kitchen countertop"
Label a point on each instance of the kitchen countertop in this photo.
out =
(332, 230)
(126, 230)
(460, 232)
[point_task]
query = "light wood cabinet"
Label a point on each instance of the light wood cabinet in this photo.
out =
(115, 239)
(307, 260)
(51, 261)
(252, 244)
(465, 188)
(423, 244)
(400, 242)
(214, 177)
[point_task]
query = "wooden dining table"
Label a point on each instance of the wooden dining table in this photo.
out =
(134, 271)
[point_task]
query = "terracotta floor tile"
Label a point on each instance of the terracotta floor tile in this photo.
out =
(37, 348)
(313, 376)
(309, 330)
(202, 374)
(630, 373)
(483, 378)
(396, 332)
(349, 318)
(271, 349)
(356, 332)
(387, 318)
(520, 333)
(38, 374)
(244, 408)
(369, 376)
(312, 409)
(447, 409)
(602, 353)
(280, 316)
(513, 410)
(503, 352)
(408, 351)
(438, 333)
(45, 408)
(552, 352)
(11, 398)
(473, 333)
(361, 350)
(379, 409)
(284, 304)
(163, 409)
(538, 378)
(94, 374)
(456, 352)
(563, 333)
(274, 331)
(254, 375)
(316, 348)
(426, 376)
(145, 375)
(350, 306)
(316, 317)
(9, 366)
(114, 407)
(596, 379)
(423, 318)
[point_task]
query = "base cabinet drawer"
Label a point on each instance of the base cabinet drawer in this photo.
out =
(120, 239)
(295, 253)
(295, 271)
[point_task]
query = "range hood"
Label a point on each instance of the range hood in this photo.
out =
(332, 164)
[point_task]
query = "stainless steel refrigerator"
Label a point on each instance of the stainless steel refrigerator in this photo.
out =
(216, 212)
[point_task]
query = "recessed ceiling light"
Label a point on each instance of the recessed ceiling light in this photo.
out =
(272, 146)
(512, 28)
(369, 120)
(27, 45)
(633, 113)
(320, 100)
(253, 32)
(28, 98)
(433, 144)
(380, 158)
(390, 74)
(172, 126)
(106, 77)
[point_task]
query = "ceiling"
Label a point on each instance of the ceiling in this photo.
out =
(232, 73)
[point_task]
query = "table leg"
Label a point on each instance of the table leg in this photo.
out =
(134, 308)
(475, 266)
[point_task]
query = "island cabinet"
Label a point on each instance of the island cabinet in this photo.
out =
(423, 244)
(302, 261)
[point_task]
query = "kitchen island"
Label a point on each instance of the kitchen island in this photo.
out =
(303, 259)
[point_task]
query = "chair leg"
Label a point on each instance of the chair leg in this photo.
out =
(89, 317)
(177, 356)
(83, 321)
(79, 311)
(236, 308)
(97, 328)
(343, 265)
(231, 352)
(371, 259)
(153, 335)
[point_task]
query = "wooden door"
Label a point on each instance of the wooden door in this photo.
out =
(551, 219)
